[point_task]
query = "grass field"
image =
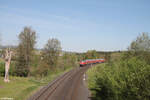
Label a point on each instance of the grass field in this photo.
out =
(21, 88)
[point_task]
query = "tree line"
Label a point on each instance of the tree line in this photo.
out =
(28, 61)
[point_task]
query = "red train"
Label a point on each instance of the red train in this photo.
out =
(91, 61)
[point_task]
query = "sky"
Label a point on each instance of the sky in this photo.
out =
(80, 25)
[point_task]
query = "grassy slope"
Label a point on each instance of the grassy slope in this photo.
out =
(14, 88)
(21, 88)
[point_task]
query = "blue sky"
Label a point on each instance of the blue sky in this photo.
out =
(80, 25)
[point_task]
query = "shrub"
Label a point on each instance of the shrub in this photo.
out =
(124, 80)
(2, 68)
(12, 70)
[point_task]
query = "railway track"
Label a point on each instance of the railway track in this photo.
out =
(46, 92)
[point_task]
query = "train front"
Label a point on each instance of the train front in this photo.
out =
(82, 63)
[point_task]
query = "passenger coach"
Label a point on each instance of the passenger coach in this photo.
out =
(91, 61)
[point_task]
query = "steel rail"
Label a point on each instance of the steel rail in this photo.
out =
(46, 88)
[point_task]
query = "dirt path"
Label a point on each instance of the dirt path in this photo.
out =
(70, 86)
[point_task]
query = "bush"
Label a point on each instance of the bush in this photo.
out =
(2, 68)
(41, 70)
(12, 70)
(124, 80)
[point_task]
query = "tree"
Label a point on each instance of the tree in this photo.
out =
(91, 54)
(8, 54)
(142, 43)
(140, 48)
(27, 41)
(68, 60)
(51, 52)
(108, 57)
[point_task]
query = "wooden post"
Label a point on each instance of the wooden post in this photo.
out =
(8, 54)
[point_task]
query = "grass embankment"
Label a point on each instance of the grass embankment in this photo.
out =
(92, 77)
(122, 80)
(20, 88)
